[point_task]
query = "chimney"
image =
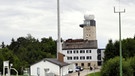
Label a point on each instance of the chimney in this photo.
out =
(60, 57)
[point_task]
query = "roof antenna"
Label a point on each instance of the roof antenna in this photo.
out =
(120, 44)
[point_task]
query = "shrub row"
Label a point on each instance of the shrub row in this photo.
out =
(112, 67)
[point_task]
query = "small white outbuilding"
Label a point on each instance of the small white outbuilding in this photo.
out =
(49, 67)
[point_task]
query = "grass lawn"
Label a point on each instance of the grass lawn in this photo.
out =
(94, 74)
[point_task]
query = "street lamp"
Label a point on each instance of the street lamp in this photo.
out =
(120, 46)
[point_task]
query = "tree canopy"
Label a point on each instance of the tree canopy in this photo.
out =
(112, 62)
(112, 49)
(25, 51)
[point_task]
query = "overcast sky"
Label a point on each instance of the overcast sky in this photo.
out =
(39, 18)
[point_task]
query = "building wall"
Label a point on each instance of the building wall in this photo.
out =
(64, 70)
(42, 65)
(86, 64)
(52, 68)
(81, 56)
(89, 32)
(37, 68)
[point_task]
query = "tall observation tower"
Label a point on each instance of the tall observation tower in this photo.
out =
(89, 27)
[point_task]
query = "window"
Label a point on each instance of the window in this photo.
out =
(99, 57)
(89, 64)
(88, 57)
(82, 64)
(75, 51)
(82, 51)
(71, 52)
(69, 58)
(99, 51)
(67, 52)
(76, 58)
(76, 64)
(88, 51)
(82, 57)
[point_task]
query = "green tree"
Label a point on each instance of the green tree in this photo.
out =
(111, 68)
(132, 63)
(6, 54)
(128, 47)
(2, 45)
(109, 51)
(112, 49)
(25, 51)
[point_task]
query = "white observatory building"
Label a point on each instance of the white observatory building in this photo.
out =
(83, 52)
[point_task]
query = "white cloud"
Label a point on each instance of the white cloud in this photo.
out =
(39, 18)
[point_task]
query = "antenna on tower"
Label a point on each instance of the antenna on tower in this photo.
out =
(120, 46)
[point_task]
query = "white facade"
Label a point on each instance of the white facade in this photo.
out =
(43, 67)
(81, 56)
(75, 55)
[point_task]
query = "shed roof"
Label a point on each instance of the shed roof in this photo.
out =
(56, 61)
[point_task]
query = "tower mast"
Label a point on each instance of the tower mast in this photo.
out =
(120, 46)
(58, 24)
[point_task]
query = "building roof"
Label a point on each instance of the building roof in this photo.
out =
(79, 44)
(56, 61)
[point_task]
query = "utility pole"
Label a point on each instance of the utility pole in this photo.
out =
(58, 25)
(120, 44)
(59, 36)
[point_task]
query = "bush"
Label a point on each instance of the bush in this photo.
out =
(132, 63)
(111, 68)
